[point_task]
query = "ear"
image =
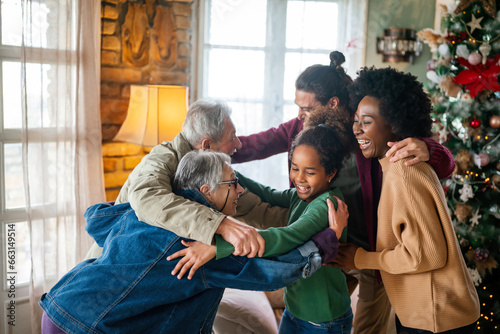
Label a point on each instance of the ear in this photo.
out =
(205, 190)
(333, 103)
(205, 144)
(331, 176)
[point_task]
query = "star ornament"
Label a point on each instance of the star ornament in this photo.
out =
(479, 77)
(474, 220)
(475, 23)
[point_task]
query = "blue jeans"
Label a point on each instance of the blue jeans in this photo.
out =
(292, 325)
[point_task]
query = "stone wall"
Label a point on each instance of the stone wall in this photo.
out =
(143, 42)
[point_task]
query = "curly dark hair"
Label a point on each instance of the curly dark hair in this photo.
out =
(330, 137)
(326, 81)
(404, 104)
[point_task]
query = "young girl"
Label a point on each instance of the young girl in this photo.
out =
(321, 302)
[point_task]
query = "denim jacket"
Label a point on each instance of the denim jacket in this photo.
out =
(130, 289)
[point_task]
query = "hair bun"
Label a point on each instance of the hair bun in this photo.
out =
(336, 59)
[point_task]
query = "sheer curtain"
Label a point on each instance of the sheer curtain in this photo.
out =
(61, 134)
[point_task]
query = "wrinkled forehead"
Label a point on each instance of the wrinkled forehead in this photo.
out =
(228, 124)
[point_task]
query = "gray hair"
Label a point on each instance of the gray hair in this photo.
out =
(197, 168)
(205, 119)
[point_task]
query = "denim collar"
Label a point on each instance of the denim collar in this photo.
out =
(195, 196)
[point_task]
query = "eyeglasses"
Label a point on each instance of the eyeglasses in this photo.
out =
(234, 182)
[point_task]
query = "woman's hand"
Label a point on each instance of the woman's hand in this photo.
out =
(194, 256)
(337, 218)
(406, 148)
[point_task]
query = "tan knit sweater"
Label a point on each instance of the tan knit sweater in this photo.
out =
(418, 255)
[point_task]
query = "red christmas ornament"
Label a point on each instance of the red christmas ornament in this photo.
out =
(479, 77)
(481, 254)
(453, 39)
(475, 123)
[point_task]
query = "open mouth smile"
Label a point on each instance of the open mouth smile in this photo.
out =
(364, 143)
(302, 189)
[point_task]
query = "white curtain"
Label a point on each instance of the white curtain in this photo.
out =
(61, 134)
(353, 41)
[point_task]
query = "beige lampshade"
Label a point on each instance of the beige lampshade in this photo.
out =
(155, 114)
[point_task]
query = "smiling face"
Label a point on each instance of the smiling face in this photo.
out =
(306, 102)
(229, 142)
(307, 174)
(226, 196)
(370, 129)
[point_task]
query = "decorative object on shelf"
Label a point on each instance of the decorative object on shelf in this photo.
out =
(399, 45)
(155, 114)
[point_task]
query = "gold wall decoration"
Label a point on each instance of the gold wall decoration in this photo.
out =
(135, 36)
(164, 37)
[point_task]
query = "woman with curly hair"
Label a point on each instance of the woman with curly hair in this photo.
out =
(417, 251)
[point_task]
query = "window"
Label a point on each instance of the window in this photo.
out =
(252, 52)
(39, 72)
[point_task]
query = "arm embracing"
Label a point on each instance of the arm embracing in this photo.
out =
(283, 239)
(149, 192)
(441, 159)
(266, 143)
(418, 243)
(266, 193)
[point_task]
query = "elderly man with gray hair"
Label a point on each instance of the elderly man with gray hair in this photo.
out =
(207, 125)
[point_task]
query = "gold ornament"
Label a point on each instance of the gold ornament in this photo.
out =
(495, 179)
(475, 134)
(432, 38)
(464, 161)
(489, 6)
(448, 87)
(495, 122)
(462, 212)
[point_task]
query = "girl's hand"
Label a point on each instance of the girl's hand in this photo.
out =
(194, 256)
(337, 218)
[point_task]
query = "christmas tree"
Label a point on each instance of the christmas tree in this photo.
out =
(465, 92)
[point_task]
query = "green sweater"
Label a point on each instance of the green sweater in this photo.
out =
(323, 296)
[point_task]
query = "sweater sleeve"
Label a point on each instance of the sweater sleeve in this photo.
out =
(440, 158)
(266, 143)
(267, 194)
(280, 240)
(411, 216)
